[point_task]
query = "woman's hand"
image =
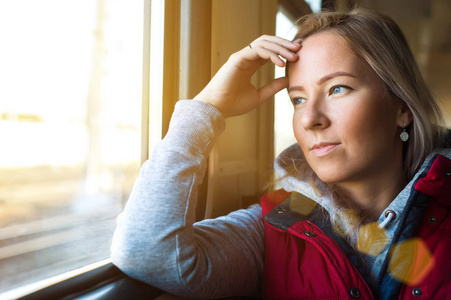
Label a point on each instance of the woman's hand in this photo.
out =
(231, 91)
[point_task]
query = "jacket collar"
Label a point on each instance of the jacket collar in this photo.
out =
(296, 207)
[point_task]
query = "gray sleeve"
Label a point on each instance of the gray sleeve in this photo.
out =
(156, 239)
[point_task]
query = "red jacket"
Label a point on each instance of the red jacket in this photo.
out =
(302, 262)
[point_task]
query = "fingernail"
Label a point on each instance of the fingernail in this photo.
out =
(298, 41)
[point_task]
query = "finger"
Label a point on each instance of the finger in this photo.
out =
(272, 88)
(278, 61)
(277, 49)
(263, 49)
(273, 52)
(291, 45)
(275, 55)
(247, 61)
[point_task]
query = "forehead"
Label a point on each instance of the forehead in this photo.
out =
(324, 53)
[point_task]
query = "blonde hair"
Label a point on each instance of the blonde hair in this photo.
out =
(377, 40)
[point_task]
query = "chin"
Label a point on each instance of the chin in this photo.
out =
(330, 176)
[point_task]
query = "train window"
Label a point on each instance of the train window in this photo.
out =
(70, 125)
(315, 5)
(283, 109)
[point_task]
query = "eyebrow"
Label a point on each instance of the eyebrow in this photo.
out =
(322, 80)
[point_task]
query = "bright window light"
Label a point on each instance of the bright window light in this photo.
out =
(70, 126)
(283, 109)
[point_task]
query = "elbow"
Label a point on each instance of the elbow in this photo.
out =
(133, 252)
(158, 272)
(146, 261)
(127, 260)
(133, 258)
(151, 257)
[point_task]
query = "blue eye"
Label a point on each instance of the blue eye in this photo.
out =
(337, 89)
(297, 101)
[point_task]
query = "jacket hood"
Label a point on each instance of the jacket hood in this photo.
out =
(289, 166)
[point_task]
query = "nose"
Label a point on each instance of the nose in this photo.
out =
(314, 115)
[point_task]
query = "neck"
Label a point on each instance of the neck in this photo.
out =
(373, 195)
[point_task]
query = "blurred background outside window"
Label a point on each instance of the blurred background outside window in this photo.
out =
(70, 131)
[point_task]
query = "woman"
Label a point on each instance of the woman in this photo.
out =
(364, 209)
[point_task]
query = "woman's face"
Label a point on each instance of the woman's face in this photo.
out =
(345, 121)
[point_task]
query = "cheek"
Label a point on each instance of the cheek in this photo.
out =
(366, 125)
(360, 113)
(355, 122)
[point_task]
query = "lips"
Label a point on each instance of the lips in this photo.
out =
(323, 149)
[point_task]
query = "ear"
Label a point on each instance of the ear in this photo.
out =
(404, 115)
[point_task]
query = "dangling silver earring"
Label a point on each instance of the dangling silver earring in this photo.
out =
(404, 135)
